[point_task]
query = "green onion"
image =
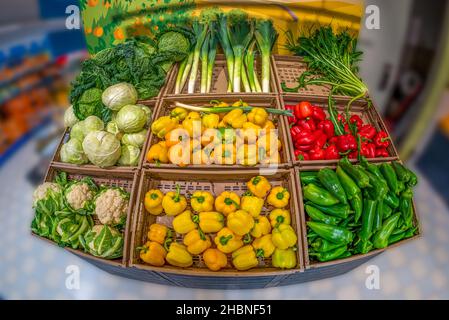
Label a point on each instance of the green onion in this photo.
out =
(266, 36)
(287, 113)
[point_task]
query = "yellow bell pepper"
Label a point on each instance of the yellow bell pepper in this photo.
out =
(153, 201)
(153, 253)
(252, 204)
(284, 236)
(227, 202)
(215, 259)
(284, 258)
(249, 132)
(235, 118)
(269, 142)
(176, 136)
(247, 155)
(245, 258)
(227, 241)
(184, 222)
(210, 138)
(225, 155)
(258, 116)
(240, 103)
(173, 202)
(193, 127)
(159, 233)
(180, 154)
(178, 256)
(211, 120)
(259, 186)
(240, 222)
(164, 124)
(196, 241)
(261, 227)
(211, 222)
(278, 197)
(279, 216)
(202, 156)
(179, 113)
(264, 246)
(271, 157)
(202, 201)
(158, 153)
(269, 125)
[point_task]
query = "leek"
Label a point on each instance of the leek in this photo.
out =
(185, 73)
(223, 37)
(240, 32)
(250, 63)
(200, 31)
(266, 36)
(212, 54)
(181, 70)
(204, 62)
(245, 80)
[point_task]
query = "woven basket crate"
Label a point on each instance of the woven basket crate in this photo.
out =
(219, 81)
(214, 182)
(121, 178)
(56, 160)
(315, 264)
(256, 101)
(289, 68)
(369, 115)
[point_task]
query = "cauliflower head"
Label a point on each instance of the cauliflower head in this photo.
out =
(104, 241)
(111, 206)
(79, 194)
(42, 191)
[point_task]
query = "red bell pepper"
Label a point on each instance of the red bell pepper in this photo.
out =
(294, 132)
(341, 118)
(382, 140)
(307, 124)
(327, 127)
(347, 129)
(333, 140)
(353, 155)
(318, 114)
(292, 119)
(304, 147)
(303, 110)
(381, 153)
(304, 137)
(357, 120)
(368, 150)
(301, 155)
(320, 138)
(346, 142)
(367, 132)
(317, 154)
(331, 153)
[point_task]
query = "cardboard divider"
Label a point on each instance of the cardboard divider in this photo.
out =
(219, 80)
(361, 108)
(214, 182)
(316, 264)
(121, 178)
(256, 101)
(56, 160)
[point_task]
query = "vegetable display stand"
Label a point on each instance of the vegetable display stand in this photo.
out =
(56, 160)
(219, 84)
(367, 113)
(263, 101)
(215, 182)
(288, 69)
(351, 261)
(121, 178)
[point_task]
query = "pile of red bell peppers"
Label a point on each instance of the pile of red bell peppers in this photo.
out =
(315, 137)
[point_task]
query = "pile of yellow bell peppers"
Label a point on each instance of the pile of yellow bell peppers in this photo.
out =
(217, 228)
(228, 138)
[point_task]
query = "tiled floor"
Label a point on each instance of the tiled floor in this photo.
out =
(30, 268)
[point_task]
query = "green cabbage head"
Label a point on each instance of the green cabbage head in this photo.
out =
(131, 119)
(102, 148)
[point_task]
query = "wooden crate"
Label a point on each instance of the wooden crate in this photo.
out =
(315, 264)
(219, 81)
(369, 115)
(121, 178)
(167, 104)
(214, 182)
(153, 104)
